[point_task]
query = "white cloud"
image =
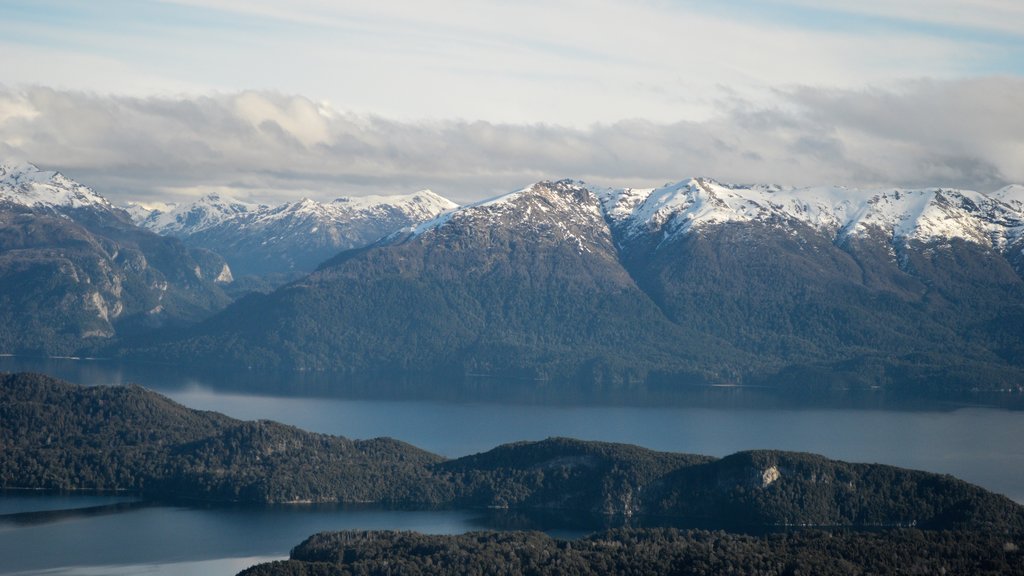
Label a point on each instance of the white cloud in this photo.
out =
(1003, 16)
(565, 62)
(266, 146)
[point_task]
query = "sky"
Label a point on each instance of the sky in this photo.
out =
(270, 101)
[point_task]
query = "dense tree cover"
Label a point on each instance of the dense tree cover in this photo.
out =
(465, 301)
(60, 436)
(652, 551)
(769, 487)
(71, 279)
(850, 313)
(564, 473)
(755, 488)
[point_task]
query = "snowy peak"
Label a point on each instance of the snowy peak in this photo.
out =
(562, 211)
(296, 236)
(139, 212)
(216, 210)
(420, 205)
(206, 212)
(924, 215)
(678, 208)
(25, 184)
(1012, 194)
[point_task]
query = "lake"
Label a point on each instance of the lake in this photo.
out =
(979, 443)
(119, 538)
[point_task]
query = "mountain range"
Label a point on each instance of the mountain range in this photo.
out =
(75, 271)
(695, 282)
(289, 240)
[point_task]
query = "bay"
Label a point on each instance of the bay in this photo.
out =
(152, 539)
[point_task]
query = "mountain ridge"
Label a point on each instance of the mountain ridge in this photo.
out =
(76, 272)
(694, 282)
(25, 184)
(294, 237)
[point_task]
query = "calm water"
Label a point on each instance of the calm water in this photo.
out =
(979, 444)
(146, 539)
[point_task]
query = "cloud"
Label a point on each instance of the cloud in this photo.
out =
(571, 62)
(992, 16)
(272, 147)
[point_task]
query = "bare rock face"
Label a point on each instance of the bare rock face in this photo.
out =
(770, 475)
(76, 270)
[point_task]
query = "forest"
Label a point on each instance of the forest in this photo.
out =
(652, 551)
(59, 436)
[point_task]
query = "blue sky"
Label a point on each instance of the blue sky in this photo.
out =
(317, 68)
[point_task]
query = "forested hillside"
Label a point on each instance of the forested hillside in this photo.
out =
(694, 283)
(653, 551)
(64, 437)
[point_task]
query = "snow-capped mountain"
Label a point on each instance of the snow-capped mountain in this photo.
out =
(184, 220)
(24, 184)
(1012, 194)
(557, 212)
(510, 285)
(995, 220)
(695, 281)
(295, 237)
(692, 282)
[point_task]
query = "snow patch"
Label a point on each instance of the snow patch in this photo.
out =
(25, 184)
(924, 214)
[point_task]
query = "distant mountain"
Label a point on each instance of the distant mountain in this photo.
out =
(850, 287)
(75, 270)
(528, 285)
(60, 436)
(693, 282)
(293, 238)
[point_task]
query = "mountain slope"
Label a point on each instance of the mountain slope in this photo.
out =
(74, 270)
(60, 436)
(528, 285)
(695, 282)
(851, 287)
(293, 238)
(652, 551)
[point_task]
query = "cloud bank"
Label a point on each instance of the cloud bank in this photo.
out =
(272, 147)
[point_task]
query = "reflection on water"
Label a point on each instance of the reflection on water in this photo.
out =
(167, 378)
(219, 566)
(177, 536)
(144, 538)
(41, 501)
(35, 517)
